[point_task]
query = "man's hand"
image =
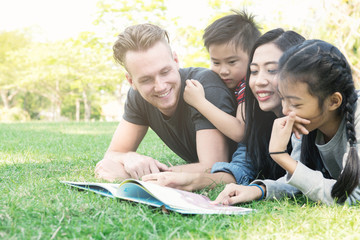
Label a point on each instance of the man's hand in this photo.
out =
(137, 165)
(110, 170)
(127, 165)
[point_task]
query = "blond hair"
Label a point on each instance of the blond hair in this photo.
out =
(138, 37)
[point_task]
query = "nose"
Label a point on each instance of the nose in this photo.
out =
(159, 84)
(224, 70)
(261, 79)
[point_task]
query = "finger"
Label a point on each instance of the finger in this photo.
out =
(302, 120)
(150, 177)
(146, 170)
(134, 174)
(300, 128)
(224, 195)
(153, 168)
(98, 168)
(223, 201)
(297, 134)
(191, 82)
(161, 166)
(233, 200)
(195, 82)
(291, 120)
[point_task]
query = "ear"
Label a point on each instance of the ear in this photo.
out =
(176, 59)
(130, 80)
(335, 101)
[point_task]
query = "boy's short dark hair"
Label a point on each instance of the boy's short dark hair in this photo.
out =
(239, 29)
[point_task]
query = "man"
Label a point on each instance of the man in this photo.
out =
(156, 100)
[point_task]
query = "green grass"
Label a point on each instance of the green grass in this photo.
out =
(34, 157)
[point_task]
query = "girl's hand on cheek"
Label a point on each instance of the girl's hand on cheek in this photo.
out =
(299, 127)
(281, 133)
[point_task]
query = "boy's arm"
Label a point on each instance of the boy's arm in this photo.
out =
(232, 127)
(212, 146)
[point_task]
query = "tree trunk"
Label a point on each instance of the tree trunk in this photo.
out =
(87, 107)
(7, 96)
(4, 98)
(77, 103)
(57, 110)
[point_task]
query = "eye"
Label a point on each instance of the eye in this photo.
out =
(232, 62)
(144, 80)
(215, 63)
(272, 71)
(295, 105)
(165, 72)
(253, 72)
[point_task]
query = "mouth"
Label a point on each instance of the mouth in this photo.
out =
(227, 80)
(263, 96)
(164, 94)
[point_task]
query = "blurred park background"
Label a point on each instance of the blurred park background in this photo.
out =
(56, 60)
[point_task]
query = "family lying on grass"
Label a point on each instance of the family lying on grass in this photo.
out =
(290, 105)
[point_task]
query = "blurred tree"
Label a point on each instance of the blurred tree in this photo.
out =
(115, 15)
(74, 69)
(341, 26)
(12, 44)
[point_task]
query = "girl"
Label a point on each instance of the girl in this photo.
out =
(263, 105)
(315, 84)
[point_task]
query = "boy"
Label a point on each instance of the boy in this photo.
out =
(229, 41)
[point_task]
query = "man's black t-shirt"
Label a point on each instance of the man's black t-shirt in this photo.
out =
(179, 132)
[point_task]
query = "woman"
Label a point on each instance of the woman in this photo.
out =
(317, 91)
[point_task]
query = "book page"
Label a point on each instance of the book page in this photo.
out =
(132, 191)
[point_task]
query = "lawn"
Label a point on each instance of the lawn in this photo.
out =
(34, 157)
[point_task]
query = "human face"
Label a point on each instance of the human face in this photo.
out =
(263, 77)
(154, 73)
(229, 62)
(296, 98)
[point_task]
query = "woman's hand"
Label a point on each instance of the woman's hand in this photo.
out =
(179, 180)
(234, 193)
(194, 93)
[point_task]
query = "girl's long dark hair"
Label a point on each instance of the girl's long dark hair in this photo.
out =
(258, 124)
(326, 71)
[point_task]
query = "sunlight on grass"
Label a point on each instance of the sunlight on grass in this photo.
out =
(35, 205)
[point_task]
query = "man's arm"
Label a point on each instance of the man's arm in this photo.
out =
(121, 161)
(211, 146)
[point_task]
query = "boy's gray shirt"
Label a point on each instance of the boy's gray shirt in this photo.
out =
(310, 182)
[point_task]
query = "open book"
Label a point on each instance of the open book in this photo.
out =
(158, 196)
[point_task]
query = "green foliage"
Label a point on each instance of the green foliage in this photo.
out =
(51, 76)
(13, 115)
(35, 205)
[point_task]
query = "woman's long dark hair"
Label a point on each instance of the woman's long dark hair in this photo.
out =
(258, 124)
(326, 71)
